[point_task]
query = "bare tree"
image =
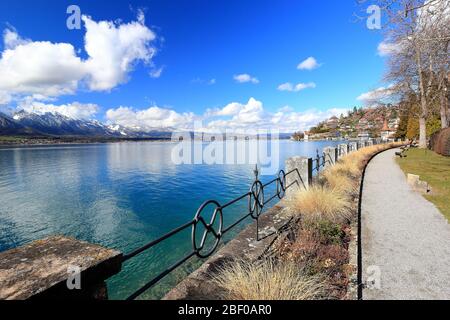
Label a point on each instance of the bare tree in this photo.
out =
(417, 32)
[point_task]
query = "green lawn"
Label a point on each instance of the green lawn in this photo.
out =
(435, 170)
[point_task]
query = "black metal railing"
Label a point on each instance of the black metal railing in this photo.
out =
(214, 228)
(319, 161)
(256, 203)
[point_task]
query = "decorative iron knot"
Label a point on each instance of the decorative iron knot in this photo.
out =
(281, 184)
(256, 199)
(200, 249)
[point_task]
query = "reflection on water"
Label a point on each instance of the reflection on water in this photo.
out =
(120, 195)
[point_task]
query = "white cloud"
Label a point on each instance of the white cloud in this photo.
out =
(11, 39)
(5, 98)
(54, 69)
(296, 88)
(40, 67)
(209, 82)
(376, 95)
(387, 48)
(300, 121)
(252, 115)
(151, 118)
(308, 64)
(230, 109)
(234, 116)
(73, 110)
(243, 78)
(113, 49)
(156, 73)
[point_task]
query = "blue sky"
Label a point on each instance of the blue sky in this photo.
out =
(200, 46)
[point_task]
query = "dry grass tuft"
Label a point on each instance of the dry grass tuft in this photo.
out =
(268, 281)
(349, 166)
(342, 178)
(322, 203)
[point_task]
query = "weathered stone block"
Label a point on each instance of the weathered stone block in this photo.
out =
(418, 185)
(41, 269)
(330, 154)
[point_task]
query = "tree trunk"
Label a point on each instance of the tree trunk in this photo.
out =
(422, 132)
(444, 109)
(423, 104)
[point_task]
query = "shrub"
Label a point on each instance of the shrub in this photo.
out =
(328, 232)
(268, 281)
(330, 260)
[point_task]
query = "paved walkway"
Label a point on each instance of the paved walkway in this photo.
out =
(405, 239)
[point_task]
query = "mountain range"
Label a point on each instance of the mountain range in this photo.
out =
(55, 124)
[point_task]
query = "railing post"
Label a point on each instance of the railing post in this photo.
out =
(300, 176)
(344, 150)
(353, 146)
(330, 154)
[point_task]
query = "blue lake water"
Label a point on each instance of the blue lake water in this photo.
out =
(119, 195)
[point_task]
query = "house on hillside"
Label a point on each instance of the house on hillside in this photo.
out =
(386, 132)
(394, 123)
(364, 135)
(333, 122)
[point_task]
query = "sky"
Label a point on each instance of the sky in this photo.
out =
(166, 64)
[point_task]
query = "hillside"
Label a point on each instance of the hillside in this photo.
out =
(358, 122)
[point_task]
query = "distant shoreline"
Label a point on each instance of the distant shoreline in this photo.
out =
(14, 141)
(23, 141)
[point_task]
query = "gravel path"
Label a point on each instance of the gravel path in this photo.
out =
(405, 239)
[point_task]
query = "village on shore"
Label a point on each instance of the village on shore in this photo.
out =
(381, 121)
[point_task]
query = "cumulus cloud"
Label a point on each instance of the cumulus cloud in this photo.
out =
(376, 95)
(253, 116)
(297, 87)
(243, 78)
(294, 121)
(11, 39)
(73, 110)
(250, 115)
(113, 49)
(308, 64)
(5, 98)
(387, 48)
(54, 69)
(153, 118)
(40, 67)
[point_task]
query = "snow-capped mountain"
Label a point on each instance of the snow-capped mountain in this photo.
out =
(8, 126)
(55, 124)
(60, 125)
(139, 132)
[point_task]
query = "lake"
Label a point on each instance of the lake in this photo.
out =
(120, 195)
